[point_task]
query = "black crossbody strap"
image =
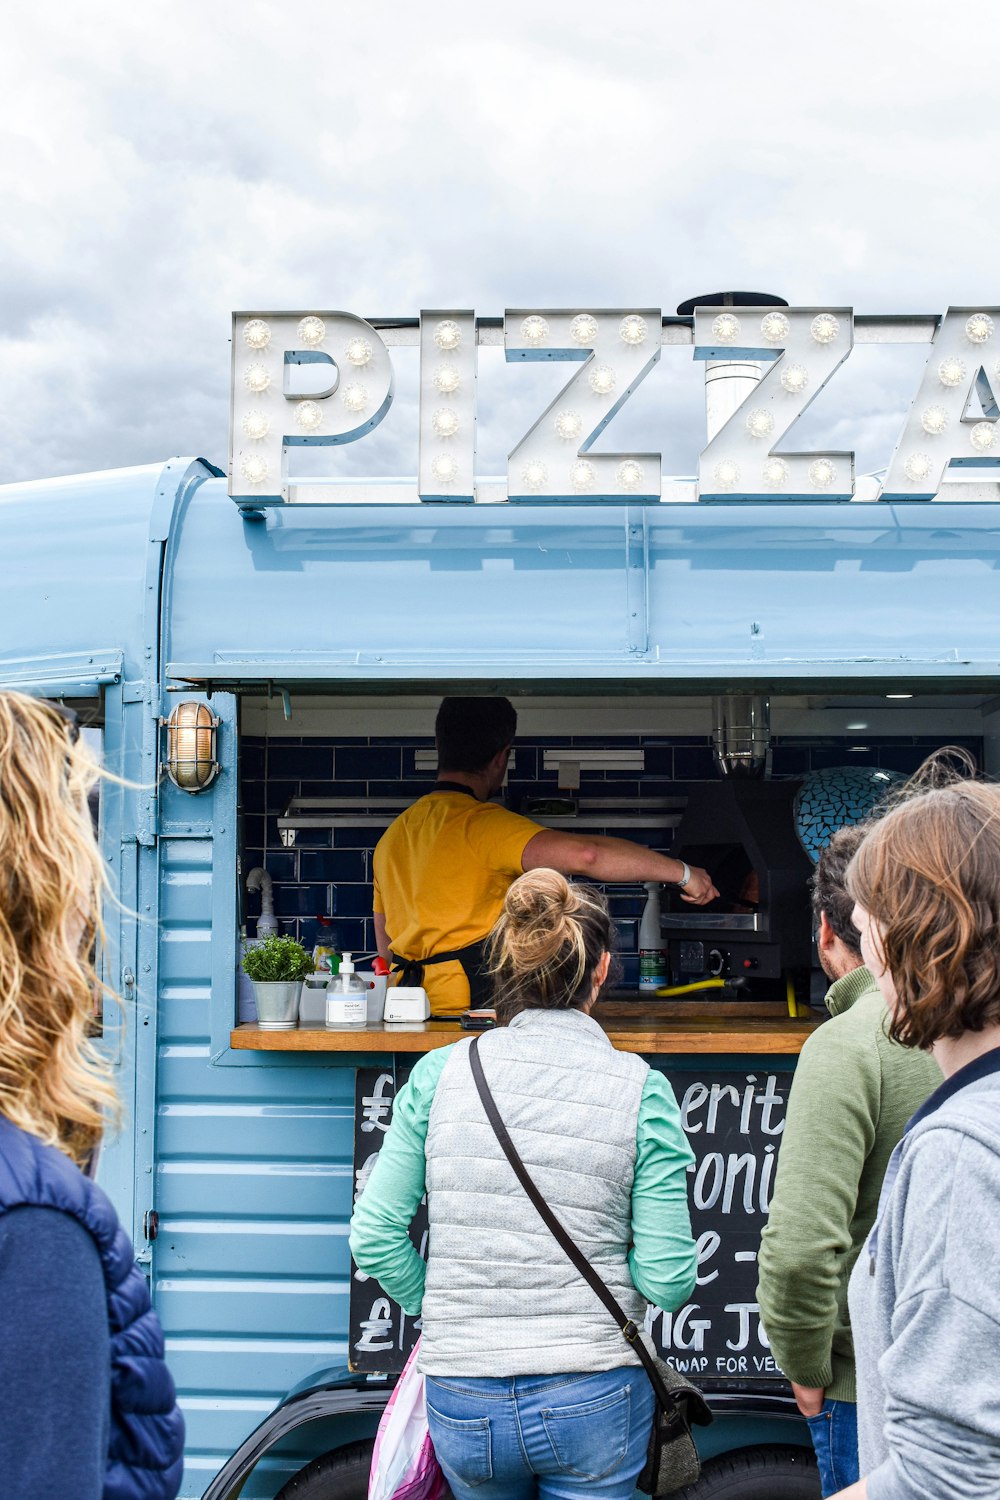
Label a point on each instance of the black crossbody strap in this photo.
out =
(572, 1250)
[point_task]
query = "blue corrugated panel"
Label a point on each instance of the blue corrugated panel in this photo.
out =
(253, 1189)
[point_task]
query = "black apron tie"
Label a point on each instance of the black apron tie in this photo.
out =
(473, 961)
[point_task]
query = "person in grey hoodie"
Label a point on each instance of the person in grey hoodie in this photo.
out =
(925, 1295)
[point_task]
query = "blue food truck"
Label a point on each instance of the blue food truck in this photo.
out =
(260, 661)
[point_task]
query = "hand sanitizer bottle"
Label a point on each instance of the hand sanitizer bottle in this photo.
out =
(346, 999)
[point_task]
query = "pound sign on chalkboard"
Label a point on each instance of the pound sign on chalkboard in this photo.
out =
(376, 1329)
(363, 1173)
(375, 1106)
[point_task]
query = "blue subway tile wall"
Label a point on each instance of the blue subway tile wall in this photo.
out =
(328, 872)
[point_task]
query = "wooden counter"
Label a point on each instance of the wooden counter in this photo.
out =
(647, 1031)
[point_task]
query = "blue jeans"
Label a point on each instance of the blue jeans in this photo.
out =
(541, 1437)
(834, 1432)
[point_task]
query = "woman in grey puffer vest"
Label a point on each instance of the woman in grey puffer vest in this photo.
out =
(531, 1389)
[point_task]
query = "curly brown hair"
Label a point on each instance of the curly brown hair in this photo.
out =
(54, 1082)
(929, 874)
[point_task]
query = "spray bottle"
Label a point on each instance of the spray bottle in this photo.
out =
(652, 955)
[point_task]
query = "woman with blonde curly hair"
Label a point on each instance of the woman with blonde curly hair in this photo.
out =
(925, 1294)
(88, 1407)
(531, 1390)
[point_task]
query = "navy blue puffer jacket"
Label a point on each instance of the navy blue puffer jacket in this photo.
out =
(147, 1430)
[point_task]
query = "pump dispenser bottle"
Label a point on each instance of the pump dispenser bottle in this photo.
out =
(346, 998)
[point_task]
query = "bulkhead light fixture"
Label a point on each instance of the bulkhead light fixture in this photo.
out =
(192, 733)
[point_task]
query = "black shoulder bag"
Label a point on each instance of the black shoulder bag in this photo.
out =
(672, 1460)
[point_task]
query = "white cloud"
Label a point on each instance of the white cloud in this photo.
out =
(162, 165)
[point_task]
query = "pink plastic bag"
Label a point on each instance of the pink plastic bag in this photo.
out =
(403, 1464)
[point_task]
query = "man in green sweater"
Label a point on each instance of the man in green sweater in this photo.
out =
(851, 1096)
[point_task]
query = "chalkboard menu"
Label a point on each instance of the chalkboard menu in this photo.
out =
(733, 1121)
(381, 1334)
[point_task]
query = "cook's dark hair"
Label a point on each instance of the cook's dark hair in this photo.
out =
(471, 731)
(547, 944)
(829, 888)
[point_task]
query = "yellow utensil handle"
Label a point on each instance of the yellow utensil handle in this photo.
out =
(691, 989)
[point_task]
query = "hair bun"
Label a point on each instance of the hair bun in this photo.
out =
(539, 892)
(547, 942)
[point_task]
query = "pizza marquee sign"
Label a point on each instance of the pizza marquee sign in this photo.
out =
(318, 379)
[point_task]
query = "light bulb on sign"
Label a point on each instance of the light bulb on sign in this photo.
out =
(447, 380)
(759, 422)
(256, 378)
(774, 327)
(311, 331)
(951, 371)
(254, 469)
(309, 415)
(794, 379)
(824, 328)
(583, 330)
(632, 329)
(917, 467)
(822, 473)
(534, 330)
(602, 380)
(534, 475)
(358, 352)
(445, 468)
(445, 422)
(447, 335)
(979, 328)
(727, 474)
(726, 328)
(354, 397)
(934, 420)
(256, 425)
(256, 334)
(983, 436)
(629, 475)
(581, 474)
(774, 473)
(568, 425)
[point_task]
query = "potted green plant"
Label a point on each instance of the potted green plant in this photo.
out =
(277, 967)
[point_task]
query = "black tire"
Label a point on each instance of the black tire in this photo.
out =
(340, 1475)
(757, 1474)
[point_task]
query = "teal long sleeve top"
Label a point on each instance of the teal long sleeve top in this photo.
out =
(662, 1260)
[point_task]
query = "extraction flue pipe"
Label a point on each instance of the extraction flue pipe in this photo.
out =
(741, 733)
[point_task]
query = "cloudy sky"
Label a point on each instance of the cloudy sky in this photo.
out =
(163, 164)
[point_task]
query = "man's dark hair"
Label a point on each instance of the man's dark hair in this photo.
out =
(470, 731)
(829, 891)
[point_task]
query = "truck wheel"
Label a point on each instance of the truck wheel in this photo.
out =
(340, 1475)
(757, 1474)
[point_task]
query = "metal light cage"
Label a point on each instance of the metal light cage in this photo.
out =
(192, 732)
